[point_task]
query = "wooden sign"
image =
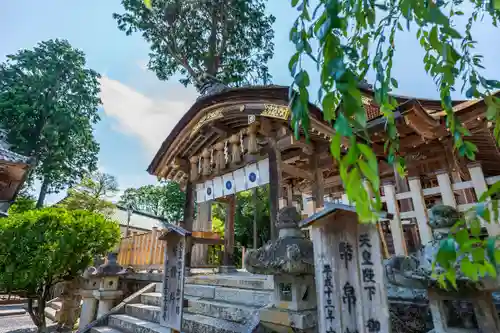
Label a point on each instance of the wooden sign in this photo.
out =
(173, 282)
(349, 277)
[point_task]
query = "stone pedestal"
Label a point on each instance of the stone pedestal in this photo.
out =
(290, 260)
(482, 304)
(89, 305)
(107, 299)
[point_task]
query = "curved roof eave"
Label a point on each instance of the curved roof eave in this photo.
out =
(276, 92)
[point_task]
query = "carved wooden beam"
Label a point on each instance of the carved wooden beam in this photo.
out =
(221, 129)
(296, 172)
(290, 142)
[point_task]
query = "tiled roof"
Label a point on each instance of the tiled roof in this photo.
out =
(10, 156)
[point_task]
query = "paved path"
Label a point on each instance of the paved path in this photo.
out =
(17, 324)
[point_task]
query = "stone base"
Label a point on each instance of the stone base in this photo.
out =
(227, 269)
(282, 320)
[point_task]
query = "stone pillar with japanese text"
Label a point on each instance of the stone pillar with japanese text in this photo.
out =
(173, 278)
(349, 275)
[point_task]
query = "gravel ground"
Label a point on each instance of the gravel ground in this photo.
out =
(17, 324)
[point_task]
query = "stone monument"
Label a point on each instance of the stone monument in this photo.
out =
(348, 272)
(472, 301)
(290, 260)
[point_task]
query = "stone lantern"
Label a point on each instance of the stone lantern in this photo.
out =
(290, 259)
(108, 292)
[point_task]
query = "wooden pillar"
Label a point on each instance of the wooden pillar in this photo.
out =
(228, 260)
(274, 185)
(188, 221)
(445, 188)
(402, 187)
(254, 199)
(480, 186)
(318, 186)
(203, 222)
(398, 236)
(417, 197)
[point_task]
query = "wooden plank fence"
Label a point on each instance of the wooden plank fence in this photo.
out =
(144, 251)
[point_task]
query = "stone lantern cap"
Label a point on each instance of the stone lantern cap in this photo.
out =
(110, 268)
(290, 254)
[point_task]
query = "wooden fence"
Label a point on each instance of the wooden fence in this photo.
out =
(144, 251)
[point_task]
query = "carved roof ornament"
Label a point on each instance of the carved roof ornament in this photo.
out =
(209, 85)
(276, 111)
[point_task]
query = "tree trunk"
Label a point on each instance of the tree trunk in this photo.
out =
(43, 193)
(33, 312)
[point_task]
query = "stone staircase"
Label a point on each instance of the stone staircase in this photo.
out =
(215, 303)
(53, 309)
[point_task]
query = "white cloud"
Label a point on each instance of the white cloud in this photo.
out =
(149, 119)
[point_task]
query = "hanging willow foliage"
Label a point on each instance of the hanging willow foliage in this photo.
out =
(344, 31)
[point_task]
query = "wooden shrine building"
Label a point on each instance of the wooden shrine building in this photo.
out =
(14, 169)
(236, 139)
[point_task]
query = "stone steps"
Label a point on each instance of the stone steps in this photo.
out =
(51, 313)
(237, 313)
(207, 306)
(192, 323)
(215, 304)
(53, 309)
(128, 324)
(231, 295)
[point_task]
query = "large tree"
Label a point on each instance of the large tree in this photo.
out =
(354, 37)
(40, 248)
(228, 39)
(164, 200)
(92, 194)
(48, 105)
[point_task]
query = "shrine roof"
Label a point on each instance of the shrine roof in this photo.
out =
(7, 155)
(254, 95)
(215, 117)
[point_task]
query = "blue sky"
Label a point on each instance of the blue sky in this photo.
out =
(138, 110)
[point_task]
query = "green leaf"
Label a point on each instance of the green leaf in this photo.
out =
(328, 106)
(451, 32)
(494, 189)
(148, 4)
(342, 126)
(370, 174)
(335, 145)
(490, 249)
(491, 112)
(478, 254)
(292, 64)
(462, 236)
(433, 39)
(394, 83)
